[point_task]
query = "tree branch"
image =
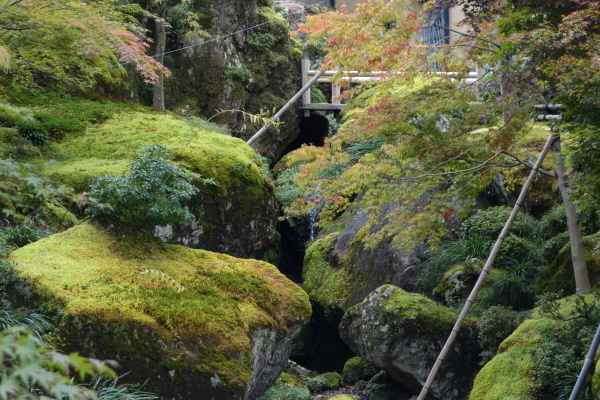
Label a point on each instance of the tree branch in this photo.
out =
(473, 46)
(467, 35)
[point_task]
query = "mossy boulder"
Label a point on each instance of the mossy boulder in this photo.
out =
(289, 387)
(559, 275)
(326, 381)
(196, 324)
(235, 211)
(458, 282)
(511, 373)
(402, 333)
(358, 369)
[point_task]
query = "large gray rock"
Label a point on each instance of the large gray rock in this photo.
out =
(402, 333)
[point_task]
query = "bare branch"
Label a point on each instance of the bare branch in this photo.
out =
(467, 35)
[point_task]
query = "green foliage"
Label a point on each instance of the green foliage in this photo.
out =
(493, 326)
(555, 222)
(357, 150)
(7, 275)
(450, 255)
(553, 245)
(59, 125)
(38, 324)
(489, 223)
(262, 42)
(513, 288)
(241, 74)
(286, 189)
(34, 132)
(151, 194)
(286, 390)
(333, 171)
(516, 250)
(565, 345)
(28, 369)
(357, 369)
(22, 233)
(317, 96)
(111, 389)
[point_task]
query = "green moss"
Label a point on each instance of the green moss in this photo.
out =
(326, 381)
(342, 397)
(357, 369)
(287, 387)
(510, 374)
(413, 306)
(559, 275)
(141, 297)
(596, 382)
(324, 283)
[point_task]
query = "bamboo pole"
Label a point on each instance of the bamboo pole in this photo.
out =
(587, 366)
(485, 271)
(285, 108)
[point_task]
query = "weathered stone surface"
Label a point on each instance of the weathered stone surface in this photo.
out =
(402, 333)
(197, 325)
(251, 70)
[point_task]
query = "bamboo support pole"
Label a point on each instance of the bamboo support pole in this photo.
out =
(485, 271)
(286, 107)
(587, 366)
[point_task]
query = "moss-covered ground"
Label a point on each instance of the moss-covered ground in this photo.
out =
(143, 296)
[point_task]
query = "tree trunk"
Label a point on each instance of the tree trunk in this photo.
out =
(582, 280)
(158, 94)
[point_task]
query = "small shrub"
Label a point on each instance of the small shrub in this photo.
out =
(510, 289)
(151, 194)
(516, 250)
(111, 389)
(287, 387)
(317, 96)
(565, 344)
(286, 189)
(489, 223)
(241, 74)
(57, 126)
(555, 222)
(23, 233)
(553, 245)
(493, 326)
(262, 42)
(357, 369)
(34, 132)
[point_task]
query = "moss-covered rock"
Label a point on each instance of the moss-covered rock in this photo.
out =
(402, 333)
(235, 210)
(458, 282)
(358, 369)
(198, 325)
(559, 275)
(287, 387)
(596, 382)
(342, 397)
(511, 373)
(252, 70)
(326, 381)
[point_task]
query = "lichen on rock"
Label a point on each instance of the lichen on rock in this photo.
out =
(198, 325)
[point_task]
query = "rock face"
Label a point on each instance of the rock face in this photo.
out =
(254, 69)
(402, 333)
(195, 324)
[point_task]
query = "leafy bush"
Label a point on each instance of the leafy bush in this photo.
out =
(357, 369)
(34, 132)
(516, 250)
(57, 125)
(7, 275)
(151, 194)
(23, 233)
(565, 344)
(288, 387)
(489, 223)
(553, 245)
(286, 189)
(333, 171)
(510, 288)
(262, 42)
(493, 326)
(555, 222)
(28, 369)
